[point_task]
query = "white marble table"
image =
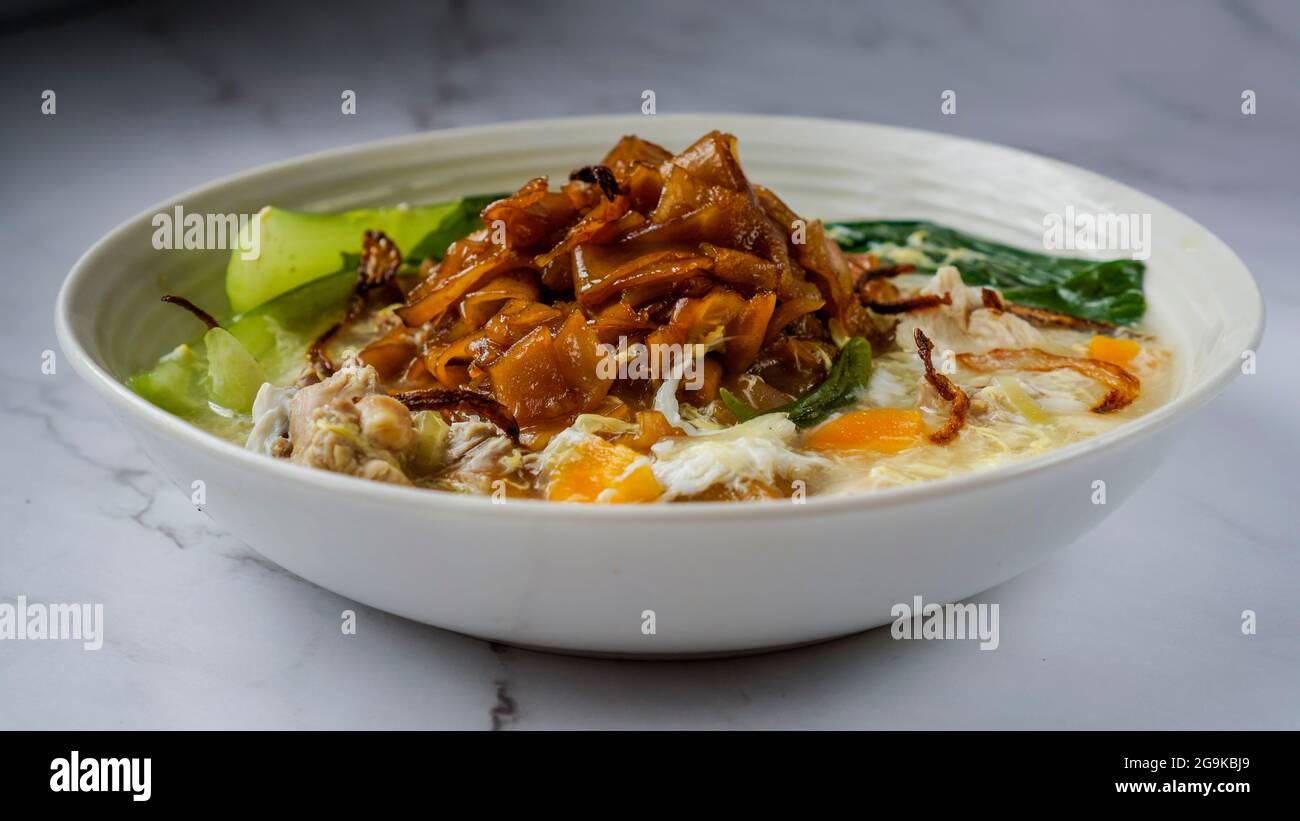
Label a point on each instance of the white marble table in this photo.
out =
(1137, 625)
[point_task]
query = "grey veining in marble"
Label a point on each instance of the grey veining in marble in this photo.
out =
(1137, 625)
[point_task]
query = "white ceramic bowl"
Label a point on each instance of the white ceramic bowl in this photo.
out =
(721, 578)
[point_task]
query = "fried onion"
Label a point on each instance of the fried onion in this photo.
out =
(446, 399)
(380, 260)
(870, 274)
(946, 389)
(920, 302)
(1051, 319)
(320, 361)
(204, 316)
(599, 175)
(1122, 386)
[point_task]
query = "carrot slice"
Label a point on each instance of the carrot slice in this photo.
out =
(880, 430)
(1110, 349)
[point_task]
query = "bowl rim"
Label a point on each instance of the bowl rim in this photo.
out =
(185, 434)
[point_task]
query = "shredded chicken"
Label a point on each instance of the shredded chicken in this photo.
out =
(347, 425)
(965, 324)
(478, 454)
(270, 433)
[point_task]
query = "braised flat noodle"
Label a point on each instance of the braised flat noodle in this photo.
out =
(660, 328)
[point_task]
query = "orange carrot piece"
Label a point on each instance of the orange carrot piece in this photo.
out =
(881, 430)
(1110, 349)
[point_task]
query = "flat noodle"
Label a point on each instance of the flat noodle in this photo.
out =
(878, 290)
(612, 256)
(946, 389)
(788, 312)
(1123, 387)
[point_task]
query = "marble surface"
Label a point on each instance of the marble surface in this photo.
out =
(1137, 625)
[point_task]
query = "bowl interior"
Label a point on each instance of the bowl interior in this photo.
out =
(1201, 297)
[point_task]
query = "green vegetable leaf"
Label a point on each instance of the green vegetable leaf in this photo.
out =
(278, 333)
(848, 376)
(737, 406)
(227, 365)
(461, 222)
(1103, 291)
(233, 374)
(295, 248)
(176, 383)
(295, 305)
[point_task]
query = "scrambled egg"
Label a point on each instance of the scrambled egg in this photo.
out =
(760, 450)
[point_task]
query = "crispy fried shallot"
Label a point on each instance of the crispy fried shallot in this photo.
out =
(992, 299)
(320, 361)
(1122, 386)
(380, 260)
(866, 275)
(946, 390)
(1050, 319)
(599, 175)
(204, 316)
(376, 285)
(920, 302)
(465, 401)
